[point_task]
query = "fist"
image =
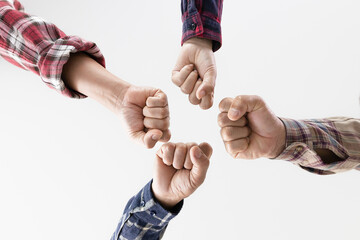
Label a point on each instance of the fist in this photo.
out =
(179, 170)
(145, 112)
(250, 129)
(195, 71)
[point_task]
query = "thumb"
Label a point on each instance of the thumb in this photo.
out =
(151, 137)
(208, 84)
(244, 104)
(200, 162)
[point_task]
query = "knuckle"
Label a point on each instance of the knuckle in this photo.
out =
(210, 88)
(185, 89)
(190, 145)
(181, 146)
(230, 149)
(224, 102)
(193, 100)
(258, 98)
(167, 122)
(168, 147)
(175, 80)
(222, 119)
(226, 133)
(164, 112)
(177, 165)
(162, 101)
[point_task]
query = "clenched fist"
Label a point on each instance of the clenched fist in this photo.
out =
(145, 112)
(179, 170)
(195, 71)
(250, 129)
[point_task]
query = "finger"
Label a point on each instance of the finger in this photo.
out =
(158, 100)
(236, 147)
(165, 136)
(156, 112)
(244, 104)
(168, 150)
(188, 163)
(208, 84)
(179, 77)
(225, 104)
(233, 133)
(179, 156)
(207, 101)
(206, 149)
(161, 124)
(151, 137)
(192, 97)
(189, 84)
(200, 165)
(224, 121)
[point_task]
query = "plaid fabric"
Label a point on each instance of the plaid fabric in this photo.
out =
(340, 135)
(202, 18)
(144, 218)
(33, 44)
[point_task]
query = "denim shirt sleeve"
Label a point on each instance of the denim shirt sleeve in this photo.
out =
(144, 218)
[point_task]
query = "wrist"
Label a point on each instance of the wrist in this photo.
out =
(166, 202)
(201, 42)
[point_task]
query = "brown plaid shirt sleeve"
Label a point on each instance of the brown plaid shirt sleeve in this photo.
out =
(340, 135)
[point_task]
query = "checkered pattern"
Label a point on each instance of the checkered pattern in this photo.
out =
(340, 135)
(202, 18)
(33, 44)
(144, 218)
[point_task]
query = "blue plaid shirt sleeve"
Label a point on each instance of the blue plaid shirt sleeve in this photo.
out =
(144, 218)
(202, 18)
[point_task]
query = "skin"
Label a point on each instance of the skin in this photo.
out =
(179, 170)
(144, 110)
(195, 72)
(251, 130)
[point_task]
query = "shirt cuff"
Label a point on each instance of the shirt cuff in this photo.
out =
(202, 26)
(150, 211)
(57, 53)
(299, 149)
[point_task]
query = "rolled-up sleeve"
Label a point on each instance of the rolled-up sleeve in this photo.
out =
(339, 135)
(36, 45)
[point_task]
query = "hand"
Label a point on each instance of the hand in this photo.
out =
(179, 170)
(250, 129)
(145, 112)
(195, 71)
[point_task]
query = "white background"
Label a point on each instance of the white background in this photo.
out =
(67, 167)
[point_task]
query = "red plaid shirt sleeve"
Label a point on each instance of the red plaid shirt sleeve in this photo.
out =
(339, 134)
(202, 18)
(33, 44)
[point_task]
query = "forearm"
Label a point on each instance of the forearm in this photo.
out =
(86, 76)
